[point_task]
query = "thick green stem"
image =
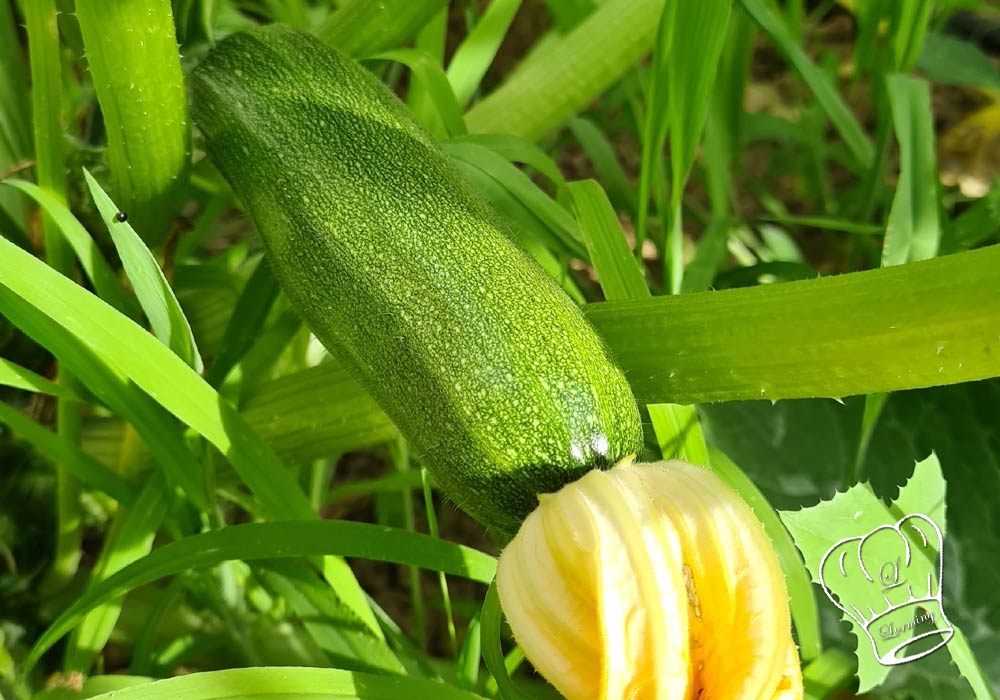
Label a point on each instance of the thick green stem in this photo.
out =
(363, 28)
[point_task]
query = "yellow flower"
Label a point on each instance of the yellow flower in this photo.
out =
(650, 581)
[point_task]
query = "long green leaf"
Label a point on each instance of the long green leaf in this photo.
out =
(15, 115)
(132, 55)
(916, 325)
(913, 230)
(281, 540)
(424, 68)
(14, 375)
(151, 287)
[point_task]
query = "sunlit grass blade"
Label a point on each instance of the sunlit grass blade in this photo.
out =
(474, 55)
(617, 270)
(428, 71)
(14, 375)
(132, 56)
(599, 50)
(78, 463)
(280, 540)
(517, 150)
(922, 324)
(92, 261)
(557, 220)
(840, 115)
(913, 230)
(151, 287)
(678, 432)
(802, 602)
(361, 28)
(164, 376)
(130, 538)
(246, 323)
(909, 26)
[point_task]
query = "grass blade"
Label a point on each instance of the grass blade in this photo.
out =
(617, 270)
(474, 55)
(92, 262)
(917, 325)
(246, 323)
(132, 55)
(602, 156)
(678, 433)
(601, 48)
(98, 329)
(16, 376)
(840, 115)
(151, 287)
(280, 540)
(61, 451)
(913, 231)
(130, 538)
(517, 150)
(15, 115)
(428, 71)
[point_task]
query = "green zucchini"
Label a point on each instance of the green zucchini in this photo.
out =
(487, 368)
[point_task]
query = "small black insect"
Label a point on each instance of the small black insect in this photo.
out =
(121, 217)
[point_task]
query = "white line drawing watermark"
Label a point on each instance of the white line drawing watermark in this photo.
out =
(900, 600)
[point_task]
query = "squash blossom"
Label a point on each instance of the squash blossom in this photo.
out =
(650, 581)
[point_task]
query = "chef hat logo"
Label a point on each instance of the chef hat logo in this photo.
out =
(898, 601)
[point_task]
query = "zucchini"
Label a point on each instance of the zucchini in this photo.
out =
(486, 367)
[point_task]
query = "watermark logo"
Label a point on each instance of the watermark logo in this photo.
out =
(895, 578)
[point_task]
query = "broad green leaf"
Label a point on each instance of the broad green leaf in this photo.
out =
(361, 28)
(292, 683)
(876, 559)
(825, 92)
(132, 56)
(280, 540)
(600, 49)
(152, 367)
(617, 269)
(14, 375)
(474, 55)
(976, 225)
(151, 287)
(831, 671)
(913, 230)
(908, 326)
(70, 457)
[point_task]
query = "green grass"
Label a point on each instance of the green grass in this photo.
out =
(745, 198)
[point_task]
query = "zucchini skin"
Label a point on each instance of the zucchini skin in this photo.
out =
(489, 370)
